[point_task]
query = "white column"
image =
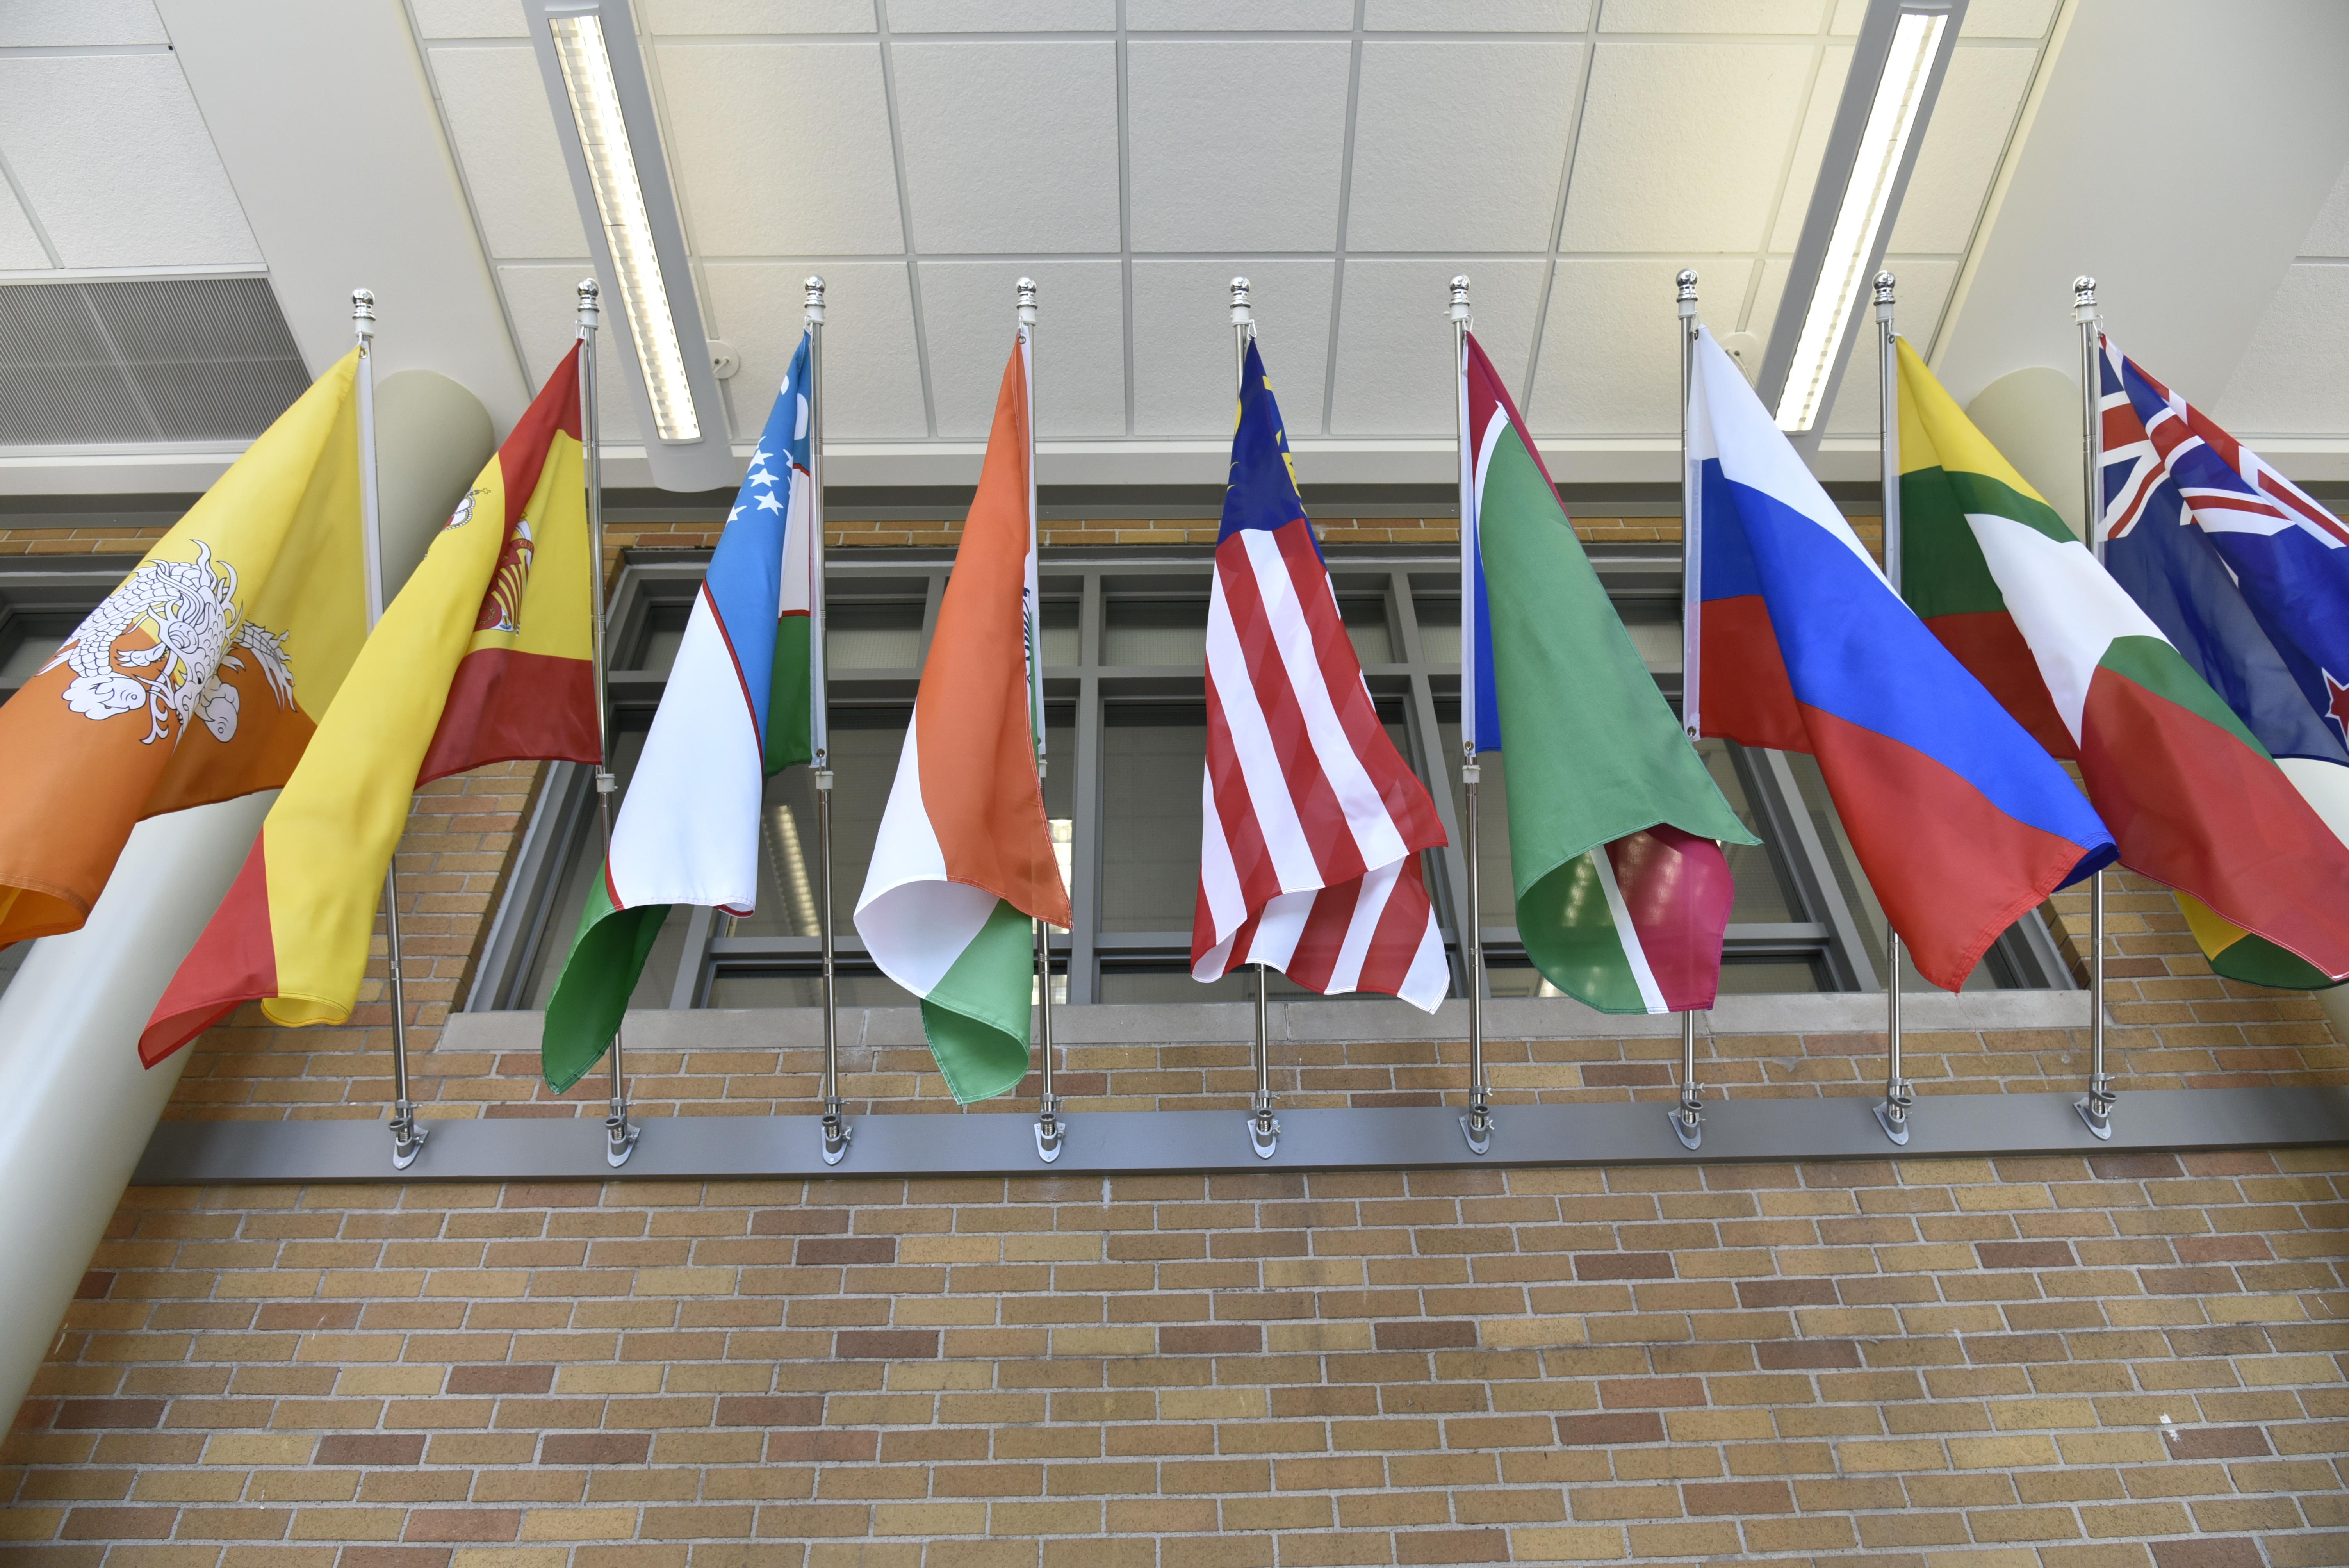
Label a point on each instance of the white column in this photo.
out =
(75, 1108)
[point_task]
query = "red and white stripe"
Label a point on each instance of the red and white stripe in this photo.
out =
(1312, 822)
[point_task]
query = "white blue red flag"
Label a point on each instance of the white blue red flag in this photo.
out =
(1310, 849)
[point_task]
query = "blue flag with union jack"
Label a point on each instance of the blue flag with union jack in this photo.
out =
(2248, 575)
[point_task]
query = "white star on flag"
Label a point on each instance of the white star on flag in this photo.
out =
(768, 503)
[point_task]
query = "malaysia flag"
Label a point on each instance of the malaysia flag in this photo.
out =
(1313, 823)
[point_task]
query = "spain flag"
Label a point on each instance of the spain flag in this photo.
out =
(484, 657)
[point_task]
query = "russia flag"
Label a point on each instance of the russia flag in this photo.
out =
(1961, 820)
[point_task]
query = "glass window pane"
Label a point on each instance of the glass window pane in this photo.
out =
(1439, 628)
(1059, 632)
(761, 988)
(1366, 628)
(865, 746)
(1154, 759)
(871, 633)
(656, 649)
(1164, 983)
(1155, 632)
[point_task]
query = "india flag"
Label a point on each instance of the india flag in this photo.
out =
(964, 859)
(736, 709)
(2192, 798)
(1623, 893)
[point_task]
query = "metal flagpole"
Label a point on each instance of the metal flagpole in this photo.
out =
(2095, 1107)
(619, 1136)
(836, 1130)
(1899, 1093)
(1478, 1125)
(407, 1137)
(1264, 1130)
(1051, 1128)
(1687, 1118)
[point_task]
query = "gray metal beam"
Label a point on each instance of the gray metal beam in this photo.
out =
(737, 1148)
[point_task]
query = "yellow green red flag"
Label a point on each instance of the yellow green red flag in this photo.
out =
(483, 658)
(201, 677)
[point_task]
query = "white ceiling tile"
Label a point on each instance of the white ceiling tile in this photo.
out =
(1682, 144)
(469, 19)
(1239, 16)
(1002, 15)
(780, 148)
(667, 18)
(1761, 316)
(1922, 293)
(20, 247)
(543, 301)
(2008, 19)
(872, 377)
(116, 163)
(1459, 146)
(503, 127)
(1395, 340)
(1972, 117)
(997, 163)
(2329, 235)
(2289, 380)
(1848, 15)
(967, 325)
(1610, 359)
(1713, 15)
(1477, 15)
(55, 24)
(1195, 186)
(1810, 146)
(1182, 341)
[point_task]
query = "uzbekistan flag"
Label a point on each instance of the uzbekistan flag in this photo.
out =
(964, 859)
(201, 677)
(2248, 576)
(2193, 799)
(1961, 821)
(1624, 893)
(1313, 823)
(293, 931)
(688, 826)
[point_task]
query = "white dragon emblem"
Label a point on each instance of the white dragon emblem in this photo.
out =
(189, 608)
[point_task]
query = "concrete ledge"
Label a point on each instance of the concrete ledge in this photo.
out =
(1222, 1023)
(744, 1148)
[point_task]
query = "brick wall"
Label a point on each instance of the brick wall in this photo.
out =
(1933, 1362)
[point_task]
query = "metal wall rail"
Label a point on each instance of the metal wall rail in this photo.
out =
(1215, 1142)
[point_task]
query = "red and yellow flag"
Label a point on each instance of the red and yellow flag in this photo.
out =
(483, 658)
(201, 677)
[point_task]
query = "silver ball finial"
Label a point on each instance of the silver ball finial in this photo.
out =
(1884, 288)
(1242, 312)
(813, 304)
(1686, 283)
(1459, 311)
(591, 304)
(2084, 299)
(1027, 287)
(363, 314)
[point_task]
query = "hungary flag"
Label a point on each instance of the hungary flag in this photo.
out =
(1623, 893)
(964, 859)
(735, 709)
(2192, 798)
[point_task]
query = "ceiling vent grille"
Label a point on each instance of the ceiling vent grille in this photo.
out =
(142, 361)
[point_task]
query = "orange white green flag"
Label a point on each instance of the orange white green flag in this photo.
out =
(964, 859)
(484, 656)
(201, 677)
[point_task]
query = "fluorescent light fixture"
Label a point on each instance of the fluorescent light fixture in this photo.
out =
(1896, 70)
(627, 228)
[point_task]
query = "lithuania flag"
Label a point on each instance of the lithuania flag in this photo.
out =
(2192, 798)
(964, 859)
(1623, 893)
(498, 608)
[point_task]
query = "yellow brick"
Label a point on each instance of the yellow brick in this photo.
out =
(578, 1524)
(685, 1281)
(929, 1518)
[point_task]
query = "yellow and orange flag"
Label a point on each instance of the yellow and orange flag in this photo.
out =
(483, 658)
(201, 677)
